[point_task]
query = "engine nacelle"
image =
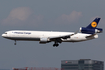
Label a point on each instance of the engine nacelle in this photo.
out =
(99, 30)
(90, 31)
(44, 40)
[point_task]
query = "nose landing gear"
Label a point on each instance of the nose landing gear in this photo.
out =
(15, 42)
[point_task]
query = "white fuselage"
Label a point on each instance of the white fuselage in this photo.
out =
(37, 35)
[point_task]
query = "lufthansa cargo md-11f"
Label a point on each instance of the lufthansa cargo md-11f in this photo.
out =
(86, 33)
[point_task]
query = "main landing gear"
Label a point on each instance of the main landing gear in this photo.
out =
(55, 44)
(56, 41)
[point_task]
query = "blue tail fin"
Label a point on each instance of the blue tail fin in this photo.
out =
(91, 28)
(94, 24)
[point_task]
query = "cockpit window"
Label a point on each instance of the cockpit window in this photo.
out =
(5, 33)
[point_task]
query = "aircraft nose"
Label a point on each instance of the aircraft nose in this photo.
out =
(3, 35)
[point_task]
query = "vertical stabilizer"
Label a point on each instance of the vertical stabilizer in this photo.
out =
(94, 23)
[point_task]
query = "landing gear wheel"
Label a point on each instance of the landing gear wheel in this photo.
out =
(55, 45)
(14, 43)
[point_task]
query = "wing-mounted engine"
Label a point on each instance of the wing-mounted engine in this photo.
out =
(90, 30)
(44, 40)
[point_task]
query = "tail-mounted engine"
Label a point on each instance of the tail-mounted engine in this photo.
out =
(90, 30)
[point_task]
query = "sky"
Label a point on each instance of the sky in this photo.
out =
(49, 15)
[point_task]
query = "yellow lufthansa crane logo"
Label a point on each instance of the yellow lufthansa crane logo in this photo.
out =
(93, 24)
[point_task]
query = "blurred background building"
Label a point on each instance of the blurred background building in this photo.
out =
(4, 69)
(82, 64)
(37, 68)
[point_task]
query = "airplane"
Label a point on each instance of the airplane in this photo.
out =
(86, 33)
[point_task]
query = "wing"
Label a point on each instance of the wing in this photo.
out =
(59, 38)
(56, 38)
(64, 36)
